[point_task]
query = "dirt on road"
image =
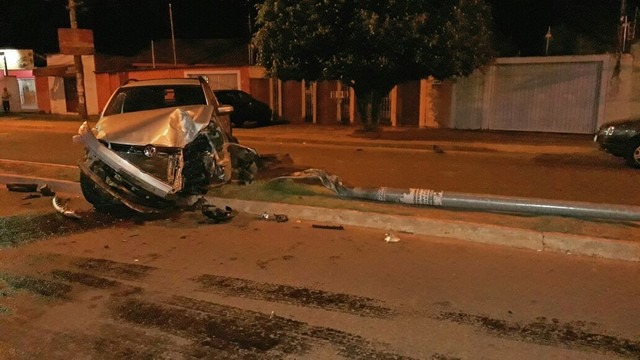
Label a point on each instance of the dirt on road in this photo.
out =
(139, 288)
(184, 287)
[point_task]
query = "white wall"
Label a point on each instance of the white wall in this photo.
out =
(549, 94)
(56, 84)
(56, 95)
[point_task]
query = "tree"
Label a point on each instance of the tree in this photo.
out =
(372, 45)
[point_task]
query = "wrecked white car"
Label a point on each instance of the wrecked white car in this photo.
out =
(160, 144)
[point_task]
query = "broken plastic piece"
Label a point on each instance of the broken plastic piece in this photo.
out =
(61, 207)
(216, 214)
(276, 217)
(328, 227)
(22, 187)
(31, 196)
(390, 238)
(45, 190)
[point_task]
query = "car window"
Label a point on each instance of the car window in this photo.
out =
(242, 96)
(139, 98)
(227, 97)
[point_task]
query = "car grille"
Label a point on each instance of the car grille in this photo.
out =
(162, 166)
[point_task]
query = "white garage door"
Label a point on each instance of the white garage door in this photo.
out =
(226, 80)
(551, 97)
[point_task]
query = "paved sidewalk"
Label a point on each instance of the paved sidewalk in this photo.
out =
(390, 137)
(423, 138)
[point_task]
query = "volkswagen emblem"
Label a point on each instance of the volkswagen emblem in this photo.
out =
(150, 151)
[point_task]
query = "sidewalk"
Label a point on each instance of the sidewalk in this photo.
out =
(608, 239)
(389, 137)
(423, 138)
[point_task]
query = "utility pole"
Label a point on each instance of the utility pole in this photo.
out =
(173, 37)
(547, 38)
(77, 61)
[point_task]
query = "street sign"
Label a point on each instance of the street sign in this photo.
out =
(76, 41)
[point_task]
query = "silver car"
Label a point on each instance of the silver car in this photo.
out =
(160, 144)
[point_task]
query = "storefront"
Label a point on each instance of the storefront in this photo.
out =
(17, 76)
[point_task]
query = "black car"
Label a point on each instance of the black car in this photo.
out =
(621, 139)
(245, 107)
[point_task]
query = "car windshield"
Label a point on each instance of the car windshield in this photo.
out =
(139, 98)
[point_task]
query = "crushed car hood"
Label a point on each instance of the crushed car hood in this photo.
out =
(167, 127)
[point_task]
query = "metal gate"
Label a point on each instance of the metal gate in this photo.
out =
(545, 96)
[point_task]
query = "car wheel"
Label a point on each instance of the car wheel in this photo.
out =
(633, 156)
(99, 198)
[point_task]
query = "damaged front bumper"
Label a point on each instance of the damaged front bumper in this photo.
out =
(132, 173)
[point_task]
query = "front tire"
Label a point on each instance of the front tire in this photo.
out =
(633, 155)
(99, 198)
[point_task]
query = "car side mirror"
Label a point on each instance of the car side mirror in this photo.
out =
(224, 109)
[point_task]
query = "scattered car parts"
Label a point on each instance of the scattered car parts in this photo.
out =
(216, 214)
(61, 207)
(22, 187)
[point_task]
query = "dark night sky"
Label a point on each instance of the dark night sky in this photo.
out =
(125, 26)
(120, 26)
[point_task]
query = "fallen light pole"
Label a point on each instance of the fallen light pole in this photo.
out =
(481, 202)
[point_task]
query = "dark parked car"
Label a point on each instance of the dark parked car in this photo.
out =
(245, 107)
(621, 139)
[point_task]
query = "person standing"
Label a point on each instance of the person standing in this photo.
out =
(6, 96)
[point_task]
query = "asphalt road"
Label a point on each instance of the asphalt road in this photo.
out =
(184, 288)
(586, 176)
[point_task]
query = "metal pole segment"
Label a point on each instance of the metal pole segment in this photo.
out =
(466, 201)
(481, 202)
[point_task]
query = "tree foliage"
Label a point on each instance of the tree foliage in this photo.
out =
(372, 45)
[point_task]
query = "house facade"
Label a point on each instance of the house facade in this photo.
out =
(571, 94)
(16, 74)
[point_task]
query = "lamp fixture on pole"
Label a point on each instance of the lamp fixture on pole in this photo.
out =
(173, 38)
(547, 38)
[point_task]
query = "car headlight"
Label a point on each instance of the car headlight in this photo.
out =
(609, 131)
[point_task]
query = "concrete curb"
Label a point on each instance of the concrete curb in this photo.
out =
(451, 229)
(466, 231)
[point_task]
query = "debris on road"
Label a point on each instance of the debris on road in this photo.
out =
(216, 214)
(31, 196)
(45, 190)
(42, 190)
(61, 207)
(437, 149)
(276, 217)
(391, 238)
(328, 227)
(22, 187)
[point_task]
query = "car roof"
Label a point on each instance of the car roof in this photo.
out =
(158, 82)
